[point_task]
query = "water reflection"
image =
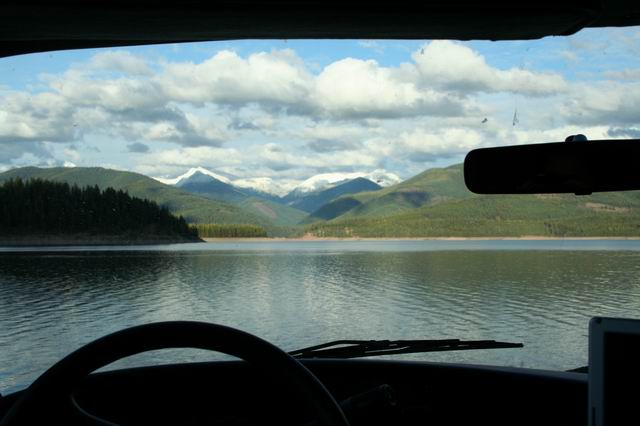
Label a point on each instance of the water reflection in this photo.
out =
(51, 303)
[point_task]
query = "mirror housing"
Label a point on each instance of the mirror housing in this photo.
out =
(576, 166)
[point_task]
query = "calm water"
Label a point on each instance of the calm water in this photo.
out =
(295, 294)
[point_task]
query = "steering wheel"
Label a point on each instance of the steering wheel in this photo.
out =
(52, 391)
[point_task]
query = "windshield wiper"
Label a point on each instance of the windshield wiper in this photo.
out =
(363, 348)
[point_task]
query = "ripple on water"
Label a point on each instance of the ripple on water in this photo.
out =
(52, 304)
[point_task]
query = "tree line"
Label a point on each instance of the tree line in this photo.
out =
(214, 230)
(38, 206)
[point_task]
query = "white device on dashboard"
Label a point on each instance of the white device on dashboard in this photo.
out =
(614, 371)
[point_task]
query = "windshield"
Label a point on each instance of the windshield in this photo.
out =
(309, 191)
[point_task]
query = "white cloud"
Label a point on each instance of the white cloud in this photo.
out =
(277, 78)
(35, 117)
(29, 121)
(578, 43)
(625, 74)
(454, 66)
(252, 119)
(557, 134)
(357, 89)
(422, 145)
(72, 154)
(372, 45)
(604, 103)
(19, 153)
(569, 55)
(119, 60)
(271, 116)
(112, 94)
(275, 157)
(329, 136)
(171, 162)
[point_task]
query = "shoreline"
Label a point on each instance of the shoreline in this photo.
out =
(313, 239)
(90, 240)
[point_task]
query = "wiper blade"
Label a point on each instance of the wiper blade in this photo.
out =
(363, 348)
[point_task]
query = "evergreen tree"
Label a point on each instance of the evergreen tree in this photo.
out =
(37, 206)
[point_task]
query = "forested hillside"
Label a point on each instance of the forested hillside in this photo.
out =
(194, 208)
(212, 230)
(430, 187)
(434, 203)
(554, 215)
(42, 207)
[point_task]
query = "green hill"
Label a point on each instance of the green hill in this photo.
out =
(261, 205)
(56, 210)
(428, 188)
(436, 203)
(310, 202)
(277, 214)
(333, 209)
(193, 208)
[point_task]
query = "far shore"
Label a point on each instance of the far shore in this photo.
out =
(90, 240)
(50, 241)
(311, 238)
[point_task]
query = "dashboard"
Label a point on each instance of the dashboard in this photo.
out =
(234, 393)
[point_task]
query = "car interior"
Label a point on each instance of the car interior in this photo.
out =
(267, 385)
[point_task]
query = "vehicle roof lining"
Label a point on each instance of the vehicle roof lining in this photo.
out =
(37, 25)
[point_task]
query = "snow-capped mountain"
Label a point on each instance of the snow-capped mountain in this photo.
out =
(269, 186)
(264, 185)
(327, 180)
(198, 172)
(312, 201)
(383, 177)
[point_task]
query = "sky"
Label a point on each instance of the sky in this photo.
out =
(285, 110)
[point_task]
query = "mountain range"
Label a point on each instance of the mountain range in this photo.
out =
(432, 203)
(436, 203)
(193, 207)
(289, 210)
(203, 196)
(267, 186)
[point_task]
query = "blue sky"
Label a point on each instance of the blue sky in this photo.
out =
(616, 44)
(284, 110)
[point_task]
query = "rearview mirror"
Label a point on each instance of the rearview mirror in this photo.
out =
(579, 167)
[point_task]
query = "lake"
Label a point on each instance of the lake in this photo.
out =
(301, 293)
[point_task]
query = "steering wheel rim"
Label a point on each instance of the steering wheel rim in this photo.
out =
(55, 385)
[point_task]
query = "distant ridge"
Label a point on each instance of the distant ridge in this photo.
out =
(263, 186)
(265, 206)
(313, 201)
(328, 180)
(436, 203)
(430, 187)
(282, 211)
(192, 207)
(190, 173)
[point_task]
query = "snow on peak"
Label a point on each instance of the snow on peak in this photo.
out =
(271, 186)
(191, 172)
(261, 184)
(383, 177)
(328, 180)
